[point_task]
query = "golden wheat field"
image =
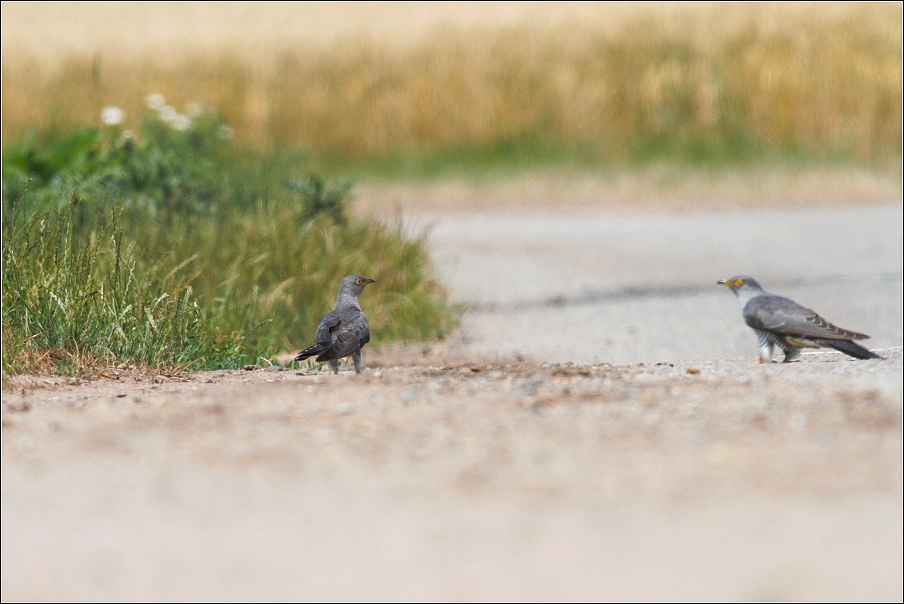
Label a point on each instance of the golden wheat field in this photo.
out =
(367, 80)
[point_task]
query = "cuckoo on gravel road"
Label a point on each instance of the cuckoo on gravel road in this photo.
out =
(784, 323)
(344, 330)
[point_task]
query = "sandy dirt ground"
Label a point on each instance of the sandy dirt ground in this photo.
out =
(607, 462)
(700, 480)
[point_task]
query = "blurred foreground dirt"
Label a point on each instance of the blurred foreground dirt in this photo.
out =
(705, 480)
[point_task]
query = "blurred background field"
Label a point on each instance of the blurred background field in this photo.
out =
(177, 177)
(383, 91)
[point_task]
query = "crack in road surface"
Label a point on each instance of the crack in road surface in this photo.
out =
(641, 292)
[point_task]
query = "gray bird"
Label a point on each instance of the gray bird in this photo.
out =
(344, 330)
(784, 323)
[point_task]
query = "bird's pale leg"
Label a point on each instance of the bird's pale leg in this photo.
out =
(792, 355)
(766, 346)
(791, 352)
(356, 359)
(766, 350)
(334, 365)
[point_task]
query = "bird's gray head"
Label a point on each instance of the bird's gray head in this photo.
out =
(351, 287)
(743, 287)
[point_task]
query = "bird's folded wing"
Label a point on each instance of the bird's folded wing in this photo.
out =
(784, 316)
(350, 335)
(329, 322)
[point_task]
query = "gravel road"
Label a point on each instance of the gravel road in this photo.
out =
(464, 473)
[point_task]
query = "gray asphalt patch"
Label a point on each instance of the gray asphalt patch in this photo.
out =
(591, 287)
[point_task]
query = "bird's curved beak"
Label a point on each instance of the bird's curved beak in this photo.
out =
(366, 281)
(725, 282)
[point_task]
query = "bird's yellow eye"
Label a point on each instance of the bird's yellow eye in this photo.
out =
(358, 281)
(739, 282)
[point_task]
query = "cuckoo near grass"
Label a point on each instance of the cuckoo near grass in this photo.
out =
(344, 330)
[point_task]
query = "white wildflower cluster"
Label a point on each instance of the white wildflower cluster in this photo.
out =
(154, 101)
(178, 121)
(181, 123)
(167, 113)
(112, 116)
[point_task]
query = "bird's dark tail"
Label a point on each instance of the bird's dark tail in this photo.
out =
(311, 351)
(849, 348)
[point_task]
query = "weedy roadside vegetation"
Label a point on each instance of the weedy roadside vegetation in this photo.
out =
(174, 246)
